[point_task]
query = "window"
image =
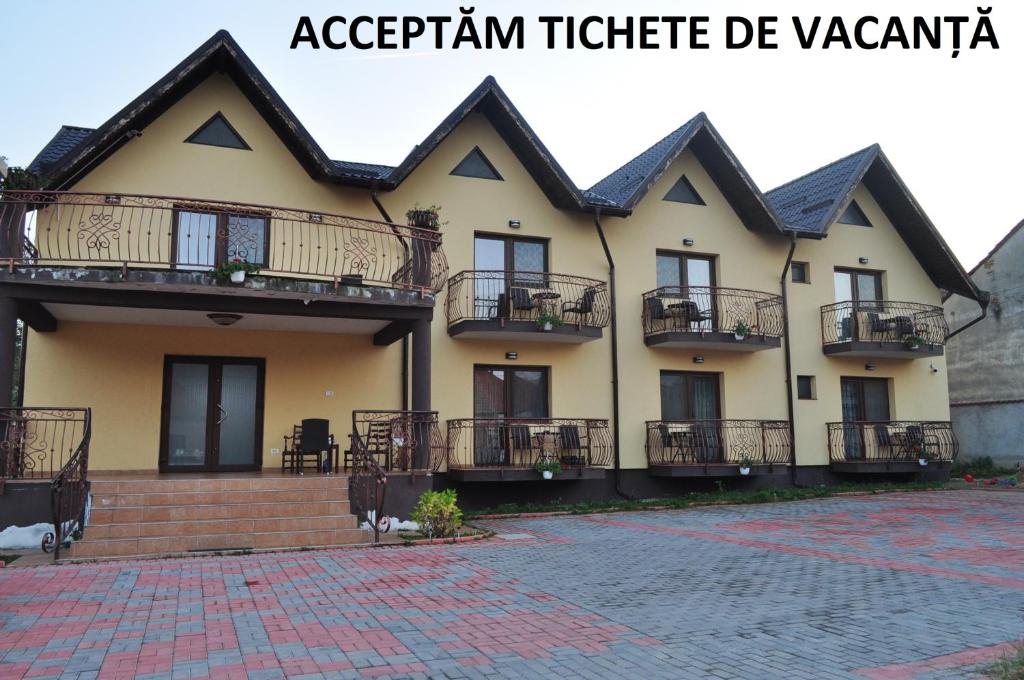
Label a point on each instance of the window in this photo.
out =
(504, 392)
(677, 269)
(854, 215)
(475, 164)
(689, 396)
(801, 272)
(504, 262)
(683, 192)
(218, 132)
(805, 388)
(203, 240)
(857, 285)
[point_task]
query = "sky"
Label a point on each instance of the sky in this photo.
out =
(951, 127)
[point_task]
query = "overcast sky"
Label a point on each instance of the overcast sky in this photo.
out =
(951, 126)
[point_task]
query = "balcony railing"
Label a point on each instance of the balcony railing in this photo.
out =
(502, 296)
(520, 442)
(911, 324)
(892, 441)
(709, 309)
(66, 229)
(409, 441)
(718, 442)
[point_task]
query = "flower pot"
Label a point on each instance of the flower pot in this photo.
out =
(548, 326)
(922, 462)
(744, 471)
(548, 474)
(739, 337)
(238, 277)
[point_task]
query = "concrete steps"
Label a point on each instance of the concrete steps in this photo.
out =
(134, 517)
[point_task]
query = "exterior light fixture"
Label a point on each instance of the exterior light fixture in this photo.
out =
(870, 366)
(514, 224)
(511, 356)
(863, 260)
(687, 242)
(698, 359)
(932, 368)
(222, 319)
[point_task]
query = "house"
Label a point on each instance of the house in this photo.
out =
(986, 361)
(667, 328)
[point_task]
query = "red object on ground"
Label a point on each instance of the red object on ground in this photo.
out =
(968, 477)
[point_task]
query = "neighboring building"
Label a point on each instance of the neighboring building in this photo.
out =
(677, 254)
(986, 361)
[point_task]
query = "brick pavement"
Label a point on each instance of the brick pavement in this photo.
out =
(892, 586)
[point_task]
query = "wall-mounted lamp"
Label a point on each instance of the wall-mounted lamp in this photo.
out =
(514, 224)
(698, 359)
(870, 366)
(863, 260)
(222, 319)
(511, 356)
(687, 242)
(932, 368)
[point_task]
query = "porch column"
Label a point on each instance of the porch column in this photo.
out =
(8, 331)
(421, 383)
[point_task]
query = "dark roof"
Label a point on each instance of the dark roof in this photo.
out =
(619, 192)
(490, 100)
(351, 169)
(66, 139)
(810, 204)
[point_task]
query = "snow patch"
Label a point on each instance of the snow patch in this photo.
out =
(20, 538)
(396, 523)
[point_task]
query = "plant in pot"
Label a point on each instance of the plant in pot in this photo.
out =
(548, 321)
(745, 464)
(741, 330)
(547, 467)
(923, 456)
(235, 270)
(913, 341)
(424, 218)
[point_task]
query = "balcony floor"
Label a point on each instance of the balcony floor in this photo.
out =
(858, 467)
(712, 470)
(711, 341)
(524, 331)
(525, 474)
(881, 350)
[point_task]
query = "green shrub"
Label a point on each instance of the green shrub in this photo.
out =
(438, 513)
(980, 467)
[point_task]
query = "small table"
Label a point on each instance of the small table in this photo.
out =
(546, 300)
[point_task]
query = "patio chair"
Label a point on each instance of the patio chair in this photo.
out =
(310, 440)
(707, 443)
(516, 439)
(520, 301)
(691, 313)
(569, 442)
(581, 307)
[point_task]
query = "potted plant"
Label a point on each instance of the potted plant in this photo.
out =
(741, 330)
(922, 456)
(235, 270)
(745, 464)
(424, 218)
(913, 341)
(548, 321)
(547, 467)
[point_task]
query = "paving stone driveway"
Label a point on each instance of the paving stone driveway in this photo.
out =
(922, 585)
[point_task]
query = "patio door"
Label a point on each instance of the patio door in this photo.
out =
(212, 414)
(203, 240)
(865, 400)
(695, 272)
(692, 396)
(510, 261)
(499, 393)
(857, 287)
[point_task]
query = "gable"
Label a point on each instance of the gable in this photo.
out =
(476, 164)
(683, 192)
(218, 132)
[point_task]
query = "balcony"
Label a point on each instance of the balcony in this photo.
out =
(883, 329)
(153, 242)
(506, 449)
(396, 441)
(890, 446)
(705, 317)
(717, 448)
(505, 305)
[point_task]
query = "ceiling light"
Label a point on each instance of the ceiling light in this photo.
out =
(222, 319)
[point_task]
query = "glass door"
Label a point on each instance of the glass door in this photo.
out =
(212, 414)
(694, 273)
(511, 263)
(687, 396)
(500, 393)
(865, 401)
(202, 240)
(860, 288)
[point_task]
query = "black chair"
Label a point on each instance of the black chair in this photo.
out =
(581, 307)
(691, 313)
(516, 438)
(569, 441)
(521, 301)
(655, 309)
(310, 440)
(707, 444)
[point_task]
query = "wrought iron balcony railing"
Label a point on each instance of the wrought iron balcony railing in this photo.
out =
(45, 443)
(521, 442)
(524, 296)
(884, 321)
(711, 309)
(718, 442)
(409, 441)
(55, 229)
(892, 441)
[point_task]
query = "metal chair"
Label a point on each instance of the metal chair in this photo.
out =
(569, 441)
(520, 301)
(312, 439)
(581, 307)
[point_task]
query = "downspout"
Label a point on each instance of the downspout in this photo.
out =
(789, 360)
(983, 299)
(405, 338)
(615, 355)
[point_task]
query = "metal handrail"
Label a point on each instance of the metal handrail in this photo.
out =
(712, 309)
(518, 443)
(890, 441)
(883, 321)
(497, 295)
(718, 442)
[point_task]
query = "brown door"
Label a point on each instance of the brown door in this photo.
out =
(212, 416)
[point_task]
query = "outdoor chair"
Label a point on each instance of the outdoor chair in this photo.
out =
(520, 301)
(914, 442)
(571, 446)
(691, 313)
(581, 307)
(311, 440)
(707, 443)
(516, 440)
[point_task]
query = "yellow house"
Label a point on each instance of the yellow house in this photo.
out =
(198, 279)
